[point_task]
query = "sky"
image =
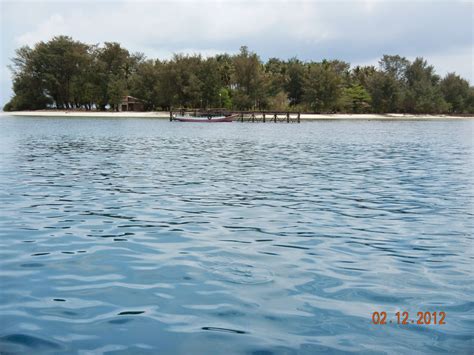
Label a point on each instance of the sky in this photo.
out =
(357, 31)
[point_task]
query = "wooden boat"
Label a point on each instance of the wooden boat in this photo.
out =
(209, 119)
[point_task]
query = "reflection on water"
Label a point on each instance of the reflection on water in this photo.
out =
(138, 235)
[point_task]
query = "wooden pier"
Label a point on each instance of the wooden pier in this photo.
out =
(268, 116)
(242, 116)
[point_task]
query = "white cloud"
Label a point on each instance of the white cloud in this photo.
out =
(460, 61)
(182, 23)
(355, 31)
(54, 25)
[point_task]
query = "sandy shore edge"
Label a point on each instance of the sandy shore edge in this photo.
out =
(165, 115)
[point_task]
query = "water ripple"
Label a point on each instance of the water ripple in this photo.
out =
(139, 236)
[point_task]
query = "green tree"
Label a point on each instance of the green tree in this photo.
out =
(386, 86)
(116, 89)
(295, 80)
(211, 83)
(395, 66)
(276, 70)
(59, 61)
(455, 91)
(143, 83)
(355, 99)
(386, 92)
(187, 84)
(27, 84)
(279, 102)
(423, 93)
(361, 75)
(470, 101)
(322, 87)
(166, 86)
(225, 101)
(112, 64)
(225, 68)
(29, 94)
(249, 80)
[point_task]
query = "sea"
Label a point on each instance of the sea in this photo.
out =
(144, 236)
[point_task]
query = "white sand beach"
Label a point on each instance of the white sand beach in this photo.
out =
(166, 115)
(61, 113)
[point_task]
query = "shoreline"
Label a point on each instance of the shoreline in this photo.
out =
(304, 116)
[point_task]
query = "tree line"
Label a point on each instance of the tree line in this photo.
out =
(67, 74)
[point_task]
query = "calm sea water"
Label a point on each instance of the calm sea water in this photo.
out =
(146, 236)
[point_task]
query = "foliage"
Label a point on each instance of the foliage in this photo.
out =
(456, 92)
(423, 93)
(386, 92)
(66, 74)
(322, 87)
(280, 101)
(355, 99)
(225, 100)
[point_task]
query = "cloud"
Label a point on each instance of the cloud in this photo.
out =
(347, 28)
(459, 61)
(54, 25)
(356, 31)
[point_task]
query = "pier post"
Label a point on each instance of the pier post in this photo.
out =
(171, 115)
(267, 116)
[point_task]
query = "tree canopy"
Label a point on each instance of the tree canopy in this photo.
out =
(67, 74)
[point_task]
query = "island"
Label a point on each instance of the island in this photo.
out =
(67, 77)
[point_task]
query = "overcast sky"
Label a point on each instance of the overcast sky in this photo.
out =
(359, 32)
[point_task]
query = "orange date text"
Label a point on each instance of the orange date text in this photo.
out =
(426, 318)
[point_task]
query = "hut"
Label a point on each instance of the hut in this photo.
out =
(130, 103)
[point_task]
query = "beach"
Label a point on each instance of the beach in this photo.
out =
(166, 115)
